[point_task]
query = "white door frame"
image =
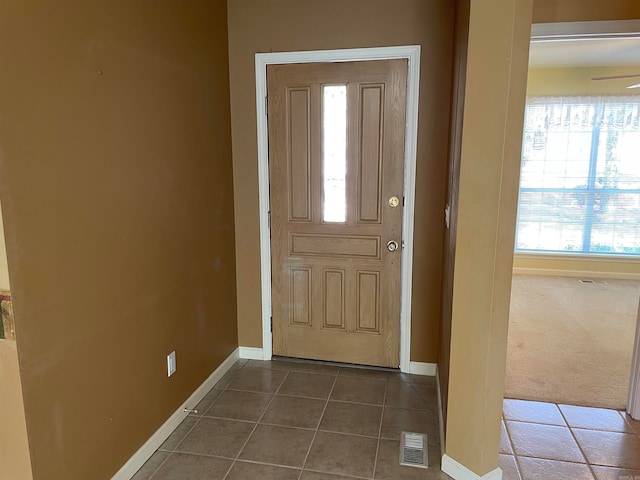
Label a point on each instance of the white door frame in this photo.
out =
(412, 54)
(633, 407)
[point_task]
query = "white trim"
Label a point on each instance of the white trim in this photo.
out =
(251, 353)
(564, 31)
(459, 472)
(421, 368)
(412, 54)
(633, 407)
(440, 413)
(139, 458)
(552, 272)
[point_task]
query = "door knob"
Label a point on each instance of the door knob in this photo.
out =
(392, 246)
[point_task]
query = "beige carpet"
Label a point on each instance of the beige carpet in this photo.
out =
(571, 342)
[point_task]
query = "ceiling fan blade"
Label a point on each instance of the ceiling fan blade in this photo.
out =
(612, 77)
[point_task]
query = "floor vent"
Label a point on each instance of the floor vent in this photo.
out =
(413, 450)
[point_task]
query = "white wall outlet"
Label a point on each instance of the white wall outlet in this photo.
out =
(171, 363)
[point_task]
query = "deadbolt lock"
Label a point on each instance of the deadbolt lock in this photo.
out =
(392, 246)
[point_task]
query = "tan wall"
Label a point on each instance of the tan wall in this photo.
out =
(550, 11)
(491, 140)
(453, 183)
(116, 184)
(4, 269)
(288, 25)
(577, 81)
(14, 447)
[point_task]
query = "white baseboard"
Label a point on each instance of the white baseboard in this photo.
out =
(440, 413)
(421, 368)
(139, 458)
(251, 353)
(550, 272)
(459, 472)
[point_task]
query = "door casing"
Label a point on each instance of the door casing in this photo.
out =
(412, 54)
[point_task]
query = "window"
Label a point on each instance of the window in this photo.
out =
(580, 176)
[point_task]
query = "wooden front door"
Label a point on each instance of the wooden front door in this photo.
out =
(336, 166)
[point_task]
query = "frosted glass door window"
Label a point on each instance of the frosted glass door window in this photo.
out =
(334, 153)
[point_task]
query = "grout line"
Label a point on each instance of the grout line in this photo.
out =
(256, 426)
(513, 448)
(575, 439)
(384, 402)
(345, 475)
(197, 417)
(306, 457)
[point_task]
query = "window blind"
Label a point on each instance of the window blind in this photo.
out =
(580, 176)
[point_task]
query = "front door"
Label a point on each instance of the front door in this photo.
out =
(336, 167)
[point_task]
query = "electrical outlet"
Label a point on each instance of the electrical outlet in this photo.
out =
(171, 363)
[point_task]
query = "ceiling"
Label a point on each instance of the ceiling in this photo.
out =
(585, 53)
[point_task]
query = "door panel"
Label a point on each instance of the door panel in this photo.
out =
(335, 285)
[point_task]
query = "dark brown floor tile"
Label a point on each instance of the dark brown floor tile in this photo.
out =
(236, 405)
(241, 362)
(343, 454)
(207, 401)
(294, 412)
(151, 466)
(371, 373)
(610, 448)
(539, 469)
(613, 473)
(272, 364)
(181, 466)
(254, 471)
(278, 445)
(359, 390)
(544, 441)
(505, 444)
(532, 412)
(315, 368)
(352, 418)
(409, 378)
(179, 433)
(307, 385)
(258, 380)
(405, 395)
(214, 436)
(388, 466)
(594, 418)
(307, 475)
(397, 420)
(228, 378)
(509, 468)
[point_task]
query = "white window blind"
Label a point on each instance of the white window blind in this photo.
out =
(580, 176)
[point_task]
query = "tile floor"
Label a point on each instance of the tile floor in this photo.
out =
(289, 420)
(545, 441)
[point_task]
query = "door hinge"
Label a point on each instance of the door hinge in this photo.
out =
(403, 201)
(269, 219)
(266, 106)
(272, 324)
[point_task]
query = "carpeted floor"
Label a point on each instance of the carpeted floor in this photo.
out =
(571, 342)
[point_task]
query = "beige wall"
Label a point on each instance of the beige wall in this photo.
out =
(116, 184)
(577, 81)
(4, 269)
(288, 25)
(491, 139)
(550, 11)
(14, 447)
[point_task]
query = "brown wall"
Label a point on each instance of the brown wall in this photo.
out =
(455, 145)
(549, 11)
(290, 25)
(116, 188)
